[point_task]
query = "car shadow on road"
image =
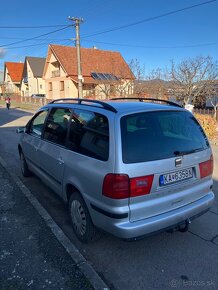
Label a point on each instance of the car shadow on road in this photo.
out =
(11, 115)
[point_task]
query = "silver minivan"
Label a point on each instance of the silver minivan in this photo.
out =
(127, 167)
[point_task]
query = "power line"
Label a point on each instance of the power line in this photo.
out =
(23, 38)
(147, 19)
(113, 29)
(154, 46)
(30, 45)
(118, 44)
(30, 27)
(32, 38)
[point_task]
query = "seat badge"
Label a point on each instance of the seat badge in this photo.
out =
(178, 162)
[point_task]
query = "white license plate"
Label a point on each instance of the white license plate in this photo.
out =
(176, 176)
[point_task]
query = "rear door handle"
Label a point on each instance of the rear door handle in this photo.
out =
(60, 161)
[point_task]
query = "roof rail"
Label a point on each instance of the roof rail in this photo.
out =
(149, 99)
(80, 101)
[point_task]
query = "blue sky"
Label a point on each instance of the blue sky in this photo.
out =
(153, 43)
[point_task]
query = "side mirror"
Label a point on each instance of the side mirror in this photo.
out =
(20, 130)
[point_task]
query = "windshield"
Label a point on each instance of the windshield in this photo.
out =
(159, 135)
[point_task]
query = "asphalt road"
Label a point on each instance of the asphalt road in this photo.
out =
(30, 255)
(179, 260)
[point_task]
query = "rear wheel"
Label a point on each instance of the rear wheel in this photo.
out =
(24, 167)
(81, 220)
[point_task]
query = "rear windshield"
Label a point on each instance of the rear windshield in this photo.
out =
(159, 135)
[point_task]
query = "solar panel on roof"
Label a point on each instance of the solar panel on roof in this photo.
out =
(104, 76)
(94, 75)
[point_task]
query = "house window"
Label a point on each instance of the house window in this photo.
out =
(62, 86)
(40, 87)
(50, 86)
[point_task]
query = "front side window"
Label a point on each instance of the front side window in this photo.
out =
(56, 125)
(159, 135)
(36, 125)
(89, 134)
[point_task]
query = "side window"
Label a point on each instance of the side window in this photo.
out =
(37, 124)
(89, 134)
(56, 125)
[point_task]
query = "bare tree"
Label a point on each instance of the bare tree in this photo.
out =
(190, 77)
(156, 86)
(152, 85)
(104, 89)
(139, 73)
(126, 76)
(214, 103)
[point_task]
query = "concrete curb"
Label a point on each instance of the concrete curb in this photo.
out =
(77, 257)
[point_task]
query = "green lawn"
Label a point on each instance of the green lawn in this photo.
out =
(15, 105)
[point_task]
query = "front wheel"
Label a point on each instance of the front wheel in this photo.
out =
(24, 167)
(81, 220)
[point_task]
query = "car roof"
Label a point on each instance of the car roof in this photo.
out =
(119, 105)
(136, 106)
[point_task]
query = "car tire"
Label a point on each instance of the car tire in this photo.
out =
(24, 167)
(81, 220)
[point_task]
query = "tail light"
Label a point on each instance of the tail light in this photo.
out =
(119, 186)
(206, 168)
(116, 186)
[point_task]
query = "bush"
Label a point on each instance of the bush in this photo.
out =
(208, 123)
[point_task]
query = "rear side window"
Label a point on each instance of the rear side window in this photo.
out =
(56, 126)
(89, 134)
(159, 135)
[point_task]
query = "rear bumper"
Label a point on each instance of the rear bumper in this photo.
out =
(129, 230)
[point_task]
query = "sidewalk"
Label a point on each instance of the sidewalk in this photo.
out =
(30, 255)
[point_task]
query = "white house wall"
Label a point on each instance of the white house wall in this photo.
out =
(36, 85)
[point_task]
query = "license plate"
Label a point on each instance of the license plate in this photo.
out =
(176, 176)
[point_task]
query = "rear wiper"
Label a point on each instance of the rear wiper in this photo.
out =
(180, 153)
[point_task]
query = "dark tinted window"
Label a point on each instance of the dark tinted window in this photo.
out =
(158, 135)
(89, 134)
(37, 123)
(56, 126)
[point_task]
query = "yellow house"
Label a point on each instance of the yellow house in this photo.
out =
(105, 73)
(32, 82)
(12, 77)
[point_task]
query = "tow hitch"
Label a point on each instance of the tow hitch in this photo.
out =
(185, 228)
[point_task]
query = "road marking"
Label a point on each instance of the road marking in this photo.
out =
(71, 249)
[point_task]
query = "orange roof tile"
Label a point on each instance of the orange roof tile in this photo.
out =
(15, 70)
(92, 60)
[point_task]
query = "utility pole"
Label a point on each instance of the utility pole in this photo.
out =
(76, 24)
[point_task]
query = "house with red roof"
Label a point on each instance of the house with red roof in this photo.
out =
(104, 73)
(12, 76)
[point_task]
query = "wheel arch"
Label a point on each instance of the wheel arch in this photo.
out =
(71, 189)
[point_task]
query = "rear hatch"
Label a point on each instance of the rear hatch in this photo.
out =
(168, 160)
